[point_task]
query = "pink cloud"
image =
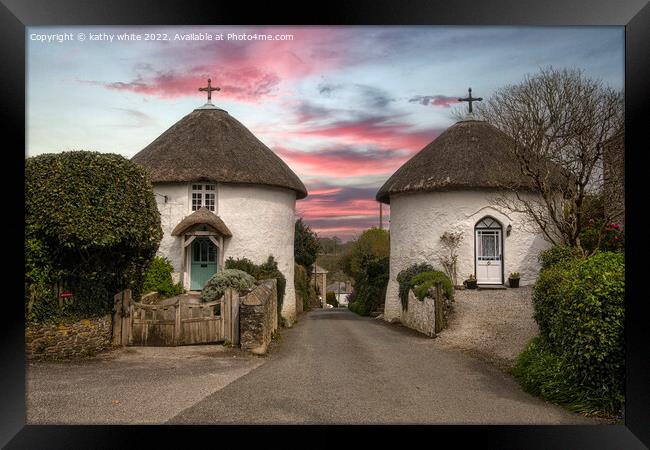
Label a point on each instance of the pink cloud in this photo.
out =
(344, 161)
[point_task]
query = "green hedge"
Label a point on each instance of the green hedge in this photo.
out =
(159, 279)
(579, 306)
(91, 227)
(558, 254)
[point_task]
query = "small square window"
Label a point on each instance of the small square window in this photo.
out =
(197, 187)
(210, 187)
(209, 201)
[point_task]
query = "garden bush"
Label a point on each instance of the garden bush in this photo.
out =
(558, 254)
(422, 282)
(367, 264)
(264, 271)
(228, 278)
(579, 306)
(330, 298)
(159, 279)
(91, 227)
(303, 287)
(404, 280)
(546, 374)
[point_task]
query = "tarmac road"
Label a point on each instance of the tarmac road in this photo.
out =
(335, 367)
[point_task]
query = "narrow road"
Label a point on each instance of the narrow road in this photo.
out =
(334, 367)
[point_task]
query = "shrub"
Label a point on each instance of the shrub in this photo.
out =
(404, 280)
(91, 226)
(228, 278)
(264, 271)
(579, 306)
(159, 279)
(331, 299)
(306, 244)
(303, 287)
(422, 282)
(368, 265)
(546, 374)
(558, 254)
(601, 236)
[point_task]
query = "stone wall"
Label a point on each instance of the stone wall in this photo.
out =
(420, 315)
(258, 317)
(68, 340)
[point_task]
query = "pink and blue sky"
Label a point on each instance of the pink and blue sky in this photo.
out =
(343, 106)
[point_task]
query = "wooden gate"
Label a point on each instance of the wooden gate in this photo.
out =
(181, 322)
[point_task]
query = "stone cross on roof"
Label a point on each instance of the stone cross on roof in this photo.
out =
(209, 90)
(470, 99)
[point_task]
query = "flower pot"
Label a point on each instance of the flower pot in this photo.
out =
(513, 282)
(470, 284)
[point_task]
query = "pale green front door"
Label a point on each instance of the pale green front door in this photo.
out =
(204, 262)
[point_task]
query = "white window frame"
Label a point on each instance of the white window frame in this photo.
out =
(202, 190)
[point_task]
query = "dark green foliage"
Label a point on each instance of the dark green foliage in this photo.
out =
(558, 254)
(546, 374)
(91, 227)
(303, 287)
(579, 306)
(306, 244)
(422, 282)
(331, 299)
(264, 271)
(159, 279)
(601, 236)
(228, 278)
(367, 264)
(404, 280)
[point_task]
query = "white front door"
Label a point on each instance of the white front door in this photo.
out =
(489, 261)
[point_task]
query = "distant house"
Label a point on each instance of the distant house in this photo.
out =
(221, 193)
(342, 289)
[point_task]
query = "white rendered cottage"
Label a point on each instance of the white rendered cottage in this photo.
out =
(451, 185)
(222, 193)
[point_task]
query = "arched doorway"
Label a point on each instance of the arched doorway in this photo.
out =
(488, 250)
(204, 262)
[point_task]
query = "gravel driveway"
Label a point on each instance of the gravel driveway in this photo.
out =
(493, 325)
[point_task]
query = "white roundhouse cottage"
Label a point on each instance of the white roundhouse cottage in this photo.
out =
(450, 185)
(222, 193)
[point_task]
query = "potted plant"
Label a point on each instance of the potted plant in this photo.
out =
(513, 279)
(470, 282)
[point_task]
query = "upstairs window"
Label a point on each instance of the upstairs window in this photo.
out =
(204, 195)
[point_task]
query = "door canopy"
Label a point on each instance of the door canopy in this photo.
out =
(202, 216)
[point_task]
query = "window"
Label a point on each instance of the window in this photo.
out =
(204, 195)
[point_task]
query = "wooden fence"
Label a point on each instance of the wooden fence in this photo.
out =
(183, 321)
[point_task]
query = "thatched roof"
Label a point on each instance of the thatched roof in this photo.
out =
(210, 145)
(202, 216)
(470, 154)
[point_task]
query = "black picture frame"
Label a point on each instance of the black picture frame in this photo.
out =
(15, 15)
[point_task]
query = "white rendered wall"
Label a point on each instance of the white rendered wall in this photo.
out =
(418, 220)
(261, 219)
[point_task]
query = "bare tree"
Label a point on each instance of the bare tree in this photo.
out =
(559, 121)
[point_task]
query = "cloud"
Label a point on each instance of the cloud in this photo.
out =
(434, 100)
(345, 161)
(343, 211)
(133, 118)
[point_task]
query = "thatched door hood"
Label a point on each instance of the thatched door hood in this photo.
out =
(210, 145)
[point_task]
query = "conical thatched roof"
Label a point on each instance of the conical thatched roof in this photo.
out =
(202, 216)
(210, 145)
(468, 155)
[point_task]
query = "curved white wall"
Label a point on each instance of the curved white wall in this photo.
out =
(261, 219)
(418, 220)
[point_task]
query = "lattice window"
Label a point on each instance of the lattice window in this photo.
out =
(204, 195)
